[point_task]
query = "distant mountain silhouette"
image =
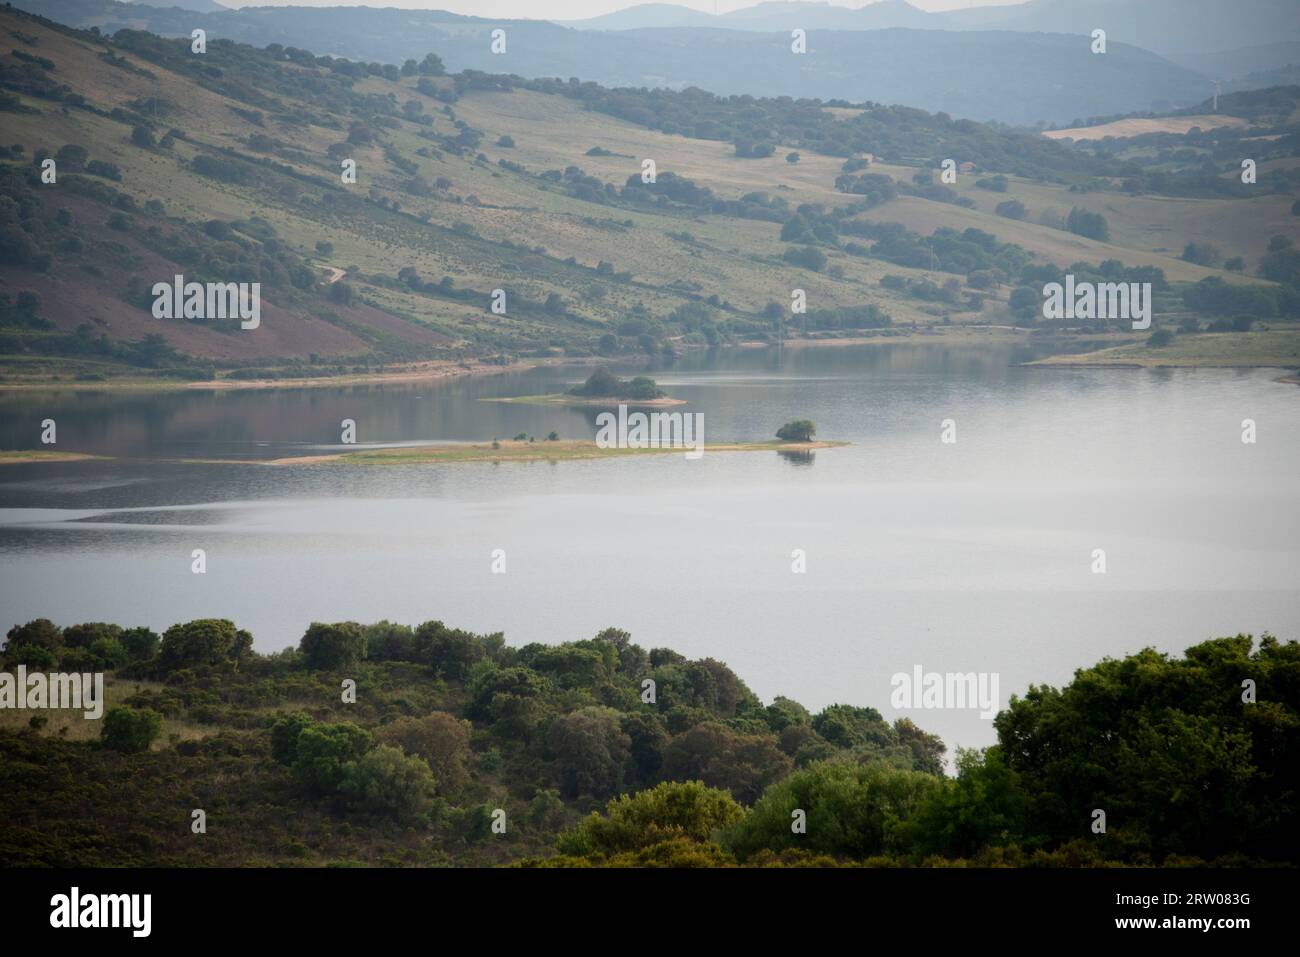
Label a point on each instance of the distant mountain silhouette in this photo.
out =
(984, 75)
(1163, 26)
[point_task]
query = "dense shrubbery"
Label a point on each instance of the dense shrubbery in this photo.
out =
(449, 727)
(1214, 297)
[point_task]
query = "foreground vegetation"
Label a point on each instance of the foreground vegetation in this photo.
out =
(458, 749)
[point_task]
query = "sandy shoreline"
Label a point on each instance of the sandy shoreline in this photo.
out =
(415, 372)
(437, 369)
(434, 370)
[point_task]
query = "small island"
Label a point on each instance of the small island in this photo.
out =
(603, 388)
(523, 451)
(793, 438)
(22, 456)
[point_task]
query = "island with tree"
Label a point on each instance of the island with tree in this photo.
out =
(793, 438)
(800, 430)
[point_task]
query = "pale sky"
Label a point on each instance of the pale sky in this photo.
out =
(569, 9)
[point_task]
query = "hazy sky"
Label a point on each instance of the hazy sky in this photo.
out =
(567, 9)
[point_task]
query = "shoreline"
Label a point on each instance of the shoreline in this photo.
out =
(437, 369)
(433, 370)
(429, 370)
(581, 401)
(1131, 362)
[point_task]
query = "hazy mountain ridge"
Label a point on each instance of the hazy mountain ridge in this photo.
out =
(1004, 76)
(767, 17)
(1165, 27)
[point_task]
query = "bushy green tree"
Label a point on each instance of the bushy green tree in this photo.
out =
(35, 657)
(86, 634)
(591, 752)
(801, 430)
(643, 387)
(1025, 302)
(852, 810)
(451, 652)
(324, 751)
(141, 643)
(648, 740)
(744, 764)
(431, 65)
(204, 641)
(40, 632)
(672, 810)
(927, 750)
(513, 700)
(386, 781)
(333, 647)
(284, 736)
(1011, 209)
(439, 739)
(573, 664)
(108, 653)
(983, 807)
(600, 384)
(809, 257)
(130, 730)
(1089, 224)
(388, 641)
(1168, 748)
(847, 726)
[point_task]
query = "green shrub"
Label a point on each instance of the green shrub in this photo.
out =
(387, 781)
(668, 811)
(333, 647)
(854, 810)
(129, 730)
(324, 750)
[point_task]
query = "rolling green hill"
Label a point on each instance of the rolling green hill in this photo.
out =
(225, 166)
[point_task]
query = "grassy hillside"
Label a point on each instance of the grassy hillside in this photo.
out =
(225, 166)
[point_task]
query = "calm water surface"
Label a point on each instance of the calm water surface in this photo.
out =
(968, 557)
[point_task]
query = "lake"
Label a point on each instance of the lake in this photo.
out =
(975, 556)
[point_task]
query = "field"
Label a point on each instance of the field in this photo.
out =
(1271, 348)
(1121, 129)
